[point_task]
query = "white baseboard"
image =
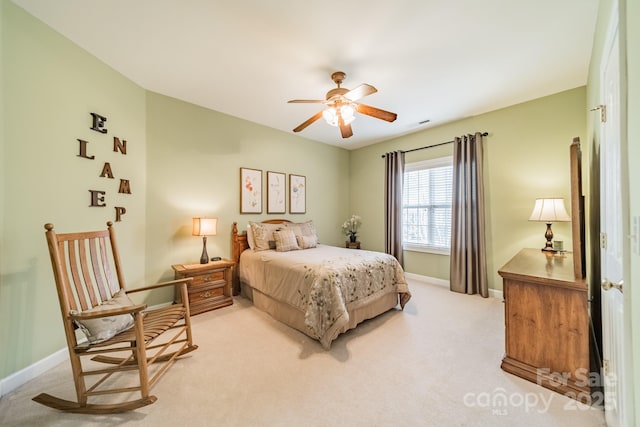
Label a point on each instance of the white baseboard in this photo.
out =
(426, 279)
(493, 293)
(21, 377)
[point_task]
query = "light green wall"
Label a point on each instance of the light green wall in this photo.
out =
(194, 162)
(181, 161)
(50, 86)
(526, 156)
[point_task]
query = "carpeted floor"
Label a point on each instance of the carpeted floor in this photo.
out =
(435, 364)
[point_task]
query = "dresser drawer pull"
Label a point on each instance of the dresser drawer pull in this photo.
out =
(205, 294)
(207, 278)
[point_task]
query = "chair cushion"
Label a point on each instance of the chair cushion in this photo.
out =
(99, 330)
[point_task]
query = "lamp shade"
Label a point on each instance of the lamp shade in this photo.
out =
(549, 210)
(204, 226)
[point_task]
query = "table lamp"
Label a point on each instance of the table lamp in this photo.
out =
(548, 211)
(204, 227)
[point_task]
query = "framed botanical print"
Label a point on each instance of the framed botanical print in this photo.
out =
(297, 194)
(250, 190)
(276, 194)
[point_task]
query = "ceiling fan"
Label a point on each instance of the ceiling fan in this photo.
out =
(342, 106)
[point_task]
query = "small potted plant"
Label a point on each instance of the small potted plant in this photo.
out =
(350, 227)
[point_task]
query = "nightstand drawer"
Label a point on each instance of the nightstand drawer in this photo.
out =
(210, 287)
(214, 276)
(203, 293)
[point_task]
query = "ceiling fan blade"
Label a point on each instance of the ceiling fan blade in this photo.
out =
(309, 121)
(345, 128)
(360, 92)
(376, 112)
(306, 101)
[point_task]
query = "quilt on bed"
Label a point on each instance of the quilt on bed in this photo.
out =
(324, 282)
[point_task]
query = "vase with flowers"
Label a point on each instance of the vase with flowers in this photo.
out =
(350, 227)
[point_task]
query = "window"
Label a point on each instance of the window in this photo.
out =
(426, 205)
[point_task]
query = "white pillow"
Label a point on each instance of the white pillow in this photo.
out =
(101, 329)
(250, 241)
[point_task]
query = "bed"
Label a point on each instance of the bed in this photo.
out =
(320, 290)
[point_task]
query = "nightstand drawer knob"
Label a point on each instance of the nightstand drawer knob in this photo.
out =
(205, 294)
(207, 278)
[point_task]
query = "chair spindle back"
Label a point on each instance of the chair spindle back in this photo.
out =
(83, 265)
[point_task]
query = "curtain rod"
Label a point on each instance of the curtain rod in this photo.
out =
(434, 145)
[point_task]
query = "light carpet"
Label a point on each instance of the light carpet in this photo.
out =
(437, 363)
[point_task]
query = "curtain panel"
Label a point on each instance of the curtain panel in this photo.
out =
(393, 182)
(468, 256)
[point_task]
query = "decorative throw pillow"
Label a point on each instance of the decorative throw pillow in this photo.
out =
(285, 241)
(263, 235)
(306, 242)
(99, 330)
(303, 229)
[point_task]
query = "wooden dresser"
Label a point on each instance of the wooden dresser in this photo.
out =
(547, 323)
(211, 284)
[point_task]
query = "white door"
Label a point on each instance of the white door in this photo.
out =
(613, 204)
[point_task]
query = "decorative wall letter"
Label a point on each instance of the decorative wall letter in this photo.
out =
(119, 146)
(124, 187)
(97, 197)
(106, 171)
(83, 150)
(119, 212)
(98, 123)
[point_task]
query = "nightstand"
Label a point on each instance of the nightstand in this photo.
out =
(352, 245)
(211, 284)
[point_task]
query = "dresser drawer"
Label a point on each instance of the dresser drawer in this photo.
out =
(213, 276)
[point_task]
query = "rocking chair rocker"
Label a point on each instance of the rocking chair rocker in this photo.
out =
(124, 336)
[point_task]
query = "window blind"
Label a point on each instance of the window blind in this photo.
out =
(427, 197)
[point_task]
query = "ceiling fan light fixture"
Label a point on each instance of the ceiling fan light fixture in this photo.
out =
(332, 114)
(348, 113)
(341, 106)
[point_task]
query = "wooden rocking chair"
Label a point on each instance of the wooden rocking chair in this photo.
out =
(94, 300)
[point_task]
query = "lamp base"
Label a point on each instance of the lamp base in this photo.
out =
(548, 234)
(204, 258)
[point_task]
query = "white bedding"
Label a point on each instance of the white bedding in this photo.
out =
(324, 283)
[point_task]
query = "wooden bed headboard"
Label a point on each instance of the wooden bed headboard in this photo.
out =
(239, 241)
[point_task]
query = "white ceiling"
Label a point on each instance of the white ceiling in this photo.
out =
(437, 60)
